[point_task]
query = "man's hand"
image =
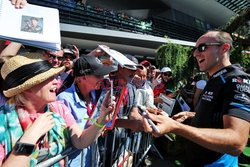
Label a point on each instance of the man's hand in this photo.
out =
(97, 52)
(76, 51)
(158, 100)
(162, 121)
(19, 3)
(154, 110)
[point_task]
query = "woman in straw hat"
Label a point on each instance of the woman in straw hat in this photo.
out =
(33, 125)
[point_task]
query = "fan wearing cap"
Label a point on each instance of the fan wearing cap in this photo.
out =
(145, 63)
(55, 58)
(122, 80)
(128, 116)
(81, 100)
(70, 54)
(151, 75)
(32, 120)
(164, 85)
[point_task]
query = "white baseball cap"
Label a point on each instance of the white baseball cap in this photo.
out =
(165, 69)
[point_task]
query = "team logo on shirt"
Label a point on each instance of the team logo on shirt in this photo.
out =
(243, 88)
(241, 97)
(208, 96)
(240, 80)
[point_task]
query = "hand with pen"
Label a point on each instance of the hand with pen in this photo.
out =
(162, 122)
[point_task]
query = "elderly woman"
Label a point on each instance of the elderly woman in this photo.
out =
(33, 125)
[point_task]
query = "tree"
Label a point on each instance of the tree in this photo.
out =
(178, 58)
(238, 26)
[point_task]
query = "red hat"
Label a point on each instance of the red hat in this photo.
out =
(145, 63)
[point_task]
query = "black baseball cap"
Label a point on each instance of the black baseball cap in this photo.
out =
(133, 59)
(90, 65)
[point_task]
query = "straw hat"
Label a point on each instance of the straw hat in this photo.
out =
(23, 72)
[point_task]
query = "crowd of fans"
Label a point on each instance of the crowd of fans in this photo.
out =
(52, 100)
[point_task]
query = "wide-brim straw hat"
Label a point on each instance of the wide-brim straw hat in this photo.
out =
(22, 65)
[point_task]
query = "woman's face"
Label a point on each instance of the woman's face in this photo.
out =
(44, 92)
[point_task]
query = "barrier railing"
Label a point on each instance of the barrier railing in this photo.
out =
(119, 147)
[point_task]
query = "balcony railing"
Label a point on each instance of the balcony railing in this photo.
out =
(107, 19)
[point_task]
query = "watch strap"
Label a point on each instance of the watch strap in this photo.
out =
(24, 148)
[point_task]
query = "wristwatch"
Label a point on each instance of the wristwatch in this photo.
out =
(24, 148)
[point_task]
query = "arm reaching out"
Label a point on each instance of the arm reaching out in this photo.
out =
(232, 139)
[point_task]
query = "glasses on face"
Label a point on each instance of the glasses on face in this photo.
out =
(168, 74)
(68, 56)
(203, 46)
(55, 57)
(57, 77)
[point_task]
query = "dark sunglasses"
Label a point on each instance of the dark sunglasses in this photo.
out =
(55, 57)
(167, 74)
(140, 67)
(68, 56)
(203, 46)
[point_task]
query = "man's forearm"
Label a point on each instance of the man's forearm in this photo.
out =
(219, 140)
(126, 123)
(11, 49)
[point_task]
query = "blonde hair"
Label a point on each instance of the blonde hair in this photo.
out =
(20, 100)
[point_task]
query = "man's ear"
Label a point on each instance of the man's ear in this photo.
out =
(78, 79)
(226, 47)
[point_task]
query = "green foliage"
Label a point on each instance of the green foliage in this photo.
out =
(238, 26)
(178, 58)
(239, 56)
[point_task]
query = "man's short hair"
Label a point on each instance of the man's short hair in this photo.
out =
(223, 37)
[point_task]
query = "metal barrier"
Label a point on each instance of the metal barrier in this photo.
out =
(119, 147)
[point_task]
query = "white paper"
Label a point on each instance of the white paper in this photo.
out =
(167, 105)
(16, 25)
(119, 57)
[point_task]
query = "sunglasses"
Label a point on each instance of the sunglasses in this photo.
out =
(203, 46)
(167, 74)
(55, 57)
(68, 56)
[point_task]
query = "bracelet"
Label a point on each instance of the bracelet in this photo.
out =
(93, 121)
(99, 125)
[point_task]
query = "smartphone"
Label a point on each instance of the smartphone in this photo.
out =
(142, 111)
(106, 77)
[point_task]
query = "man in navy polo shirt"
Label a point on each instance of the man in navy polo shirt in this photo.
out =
(220, 126)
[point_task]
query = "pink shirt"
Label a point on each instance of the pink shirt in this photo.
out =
(59, 108)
